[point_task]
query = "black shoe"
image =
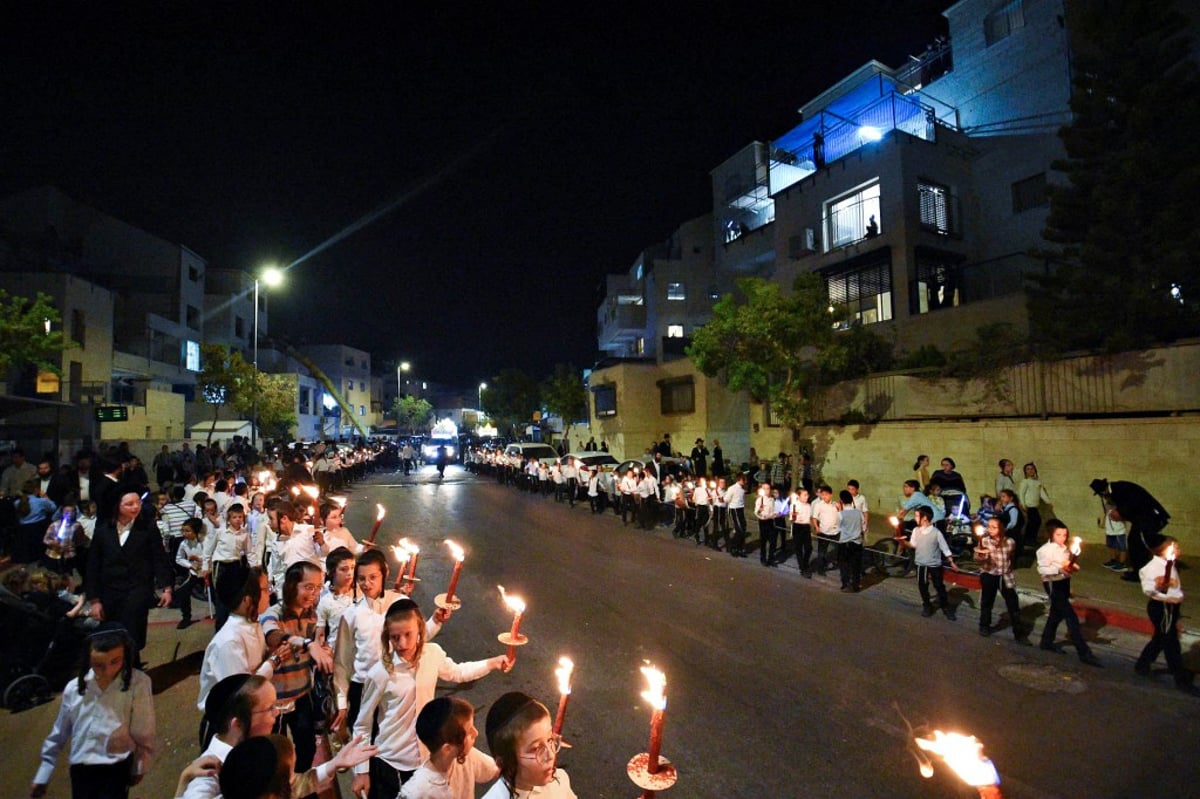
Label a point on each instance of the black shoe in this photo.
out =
(1023, 640)
(1130, 576)
(950, 614)
(927, 611)
(184, 624)
(1055, 648)
(1142, 670)
(807, 574)
(1091, 660)
(985, 631)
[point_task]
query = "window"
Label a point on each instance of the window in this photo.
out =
(674, 331)
(350, 361)
(675, 291)
(193, 274)
(362, 386)
(362, 410)
(1029, 193)
(605, 400)
(239, 327)
(303, 404)
(999, 24)
(852, 217)
(937, 283)
(193, 317)
(639, 346)
(935, 207)
(349, 386)
(866, 291)
(677, 396)
(79, 328)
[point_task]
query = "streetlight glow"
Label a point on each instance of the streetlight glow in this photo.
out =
(272, 276)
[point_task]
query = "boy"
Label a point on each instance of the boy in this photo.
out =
(930, 547)
(1166, 602)
(852, 524)
(1115, 538)
(189, 564)
(446, 728)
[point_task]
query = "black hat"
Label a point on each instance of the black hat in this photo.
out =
(503, 709)
(1099, 486)
(249, 768)
(216, 705)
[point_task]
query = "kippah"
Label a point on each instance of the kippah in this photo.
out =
(401, 605)
(248, 769)
(431, 719)
(220, 695)
(502, 711)
(231, 583)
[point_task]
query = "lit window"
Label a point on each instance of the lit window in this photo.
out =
(639, 272)
(676, 291)
(605, 399)
(1029, 193)
(1001, 23)
(362, 410)
(935, 207)
(639, 346)
(852, 217)
(865, 291)
(674, 331)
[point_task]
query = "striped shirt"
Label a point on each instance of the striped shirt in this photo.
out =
(293, 677)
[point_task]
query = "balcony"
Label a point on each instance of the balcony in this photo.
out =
(619, 325)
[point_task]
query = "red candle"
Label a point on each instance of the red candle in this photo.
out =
(378, 521)
(1170, 557)
(563, 672)
(401, 554)
(657, 697)
(412, 563)
(517, 606)
(457, 551)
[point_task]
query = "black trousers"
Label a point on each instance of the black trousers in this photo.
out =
(850, 563)
(702, 512)
(302, 724)
(101, 782)
(934, 574)
(1165, 617)
(385, 780)
(738, 545)
(802, 541)
(130, 609)
(768, 541)
(1059, 592)
(993, 583)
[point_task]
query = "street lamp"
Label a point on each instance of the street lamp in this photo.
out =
(272, 277)
(482, 386)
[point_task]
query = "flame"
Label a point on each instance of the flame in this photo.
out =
(980, 530)
(312, 491)
(893, 521)
(341, 501)
(1076, 546)
(264, 476)
(381, 512)
(963, 754)
(926, 769)
(1171, 553)
(400, 553)
(515, 603)
(456, 551)
(312, 512)
(295, 491)
(655, 692)
(563, 673)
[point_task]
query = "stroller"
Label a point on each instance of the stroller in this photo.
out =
(39, 653)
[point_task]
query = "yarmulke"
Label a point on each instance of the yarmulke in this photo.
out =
(219, 697)
(503, 709)
(231, 583)
(432, 718)
(401, 605)
(248, 770)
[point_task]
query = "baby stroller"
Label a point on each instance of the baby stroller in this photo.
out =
(39, 653)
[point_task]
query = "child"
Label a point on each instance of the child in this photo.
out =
(1055, 565)
(930, 547)
(189, 564)
(852, 527)
(801, 519)
(446, 727)
(523, 743)
(60, 539)
(1166, 601)
(1115, 534)
(338, 594)
(995, 554)
(224, 546)
(398, 685)
(107, 715)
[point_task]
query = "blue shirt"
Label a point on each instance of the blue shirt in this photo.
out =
(40, 510)
(850, 525)
(918, 499)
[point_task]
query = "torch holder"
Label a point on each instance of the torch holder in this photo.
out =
(508, 640)
(638, 770)
(413, 579)
(452, 604)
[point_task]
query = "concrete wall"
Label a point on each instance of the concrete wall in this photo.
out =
(162, 417)
(1153, 452)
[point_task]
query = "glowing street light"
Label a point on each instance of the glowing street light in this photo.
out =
(272, 277)
(482, 386)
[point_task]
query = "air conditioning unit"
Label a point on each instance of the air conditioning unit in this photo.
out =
(804, 244)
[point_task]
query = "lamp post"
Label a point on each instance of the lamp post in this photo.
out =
(271, 277)
(482, 386)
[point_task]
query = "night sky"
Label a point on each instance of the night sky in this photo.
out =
(538, 147)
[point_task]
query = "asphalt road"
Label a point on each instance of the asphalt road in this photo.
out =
(777, 686)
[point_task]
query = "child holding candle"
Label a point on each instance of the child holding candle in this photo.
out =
(1055, 565)
(1166, 601)
(397, 686)
(525, 748)
(446, 727)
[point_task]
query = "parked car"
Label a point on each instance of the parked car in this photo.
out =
(591, 459)
(543, 452)
(672, 466)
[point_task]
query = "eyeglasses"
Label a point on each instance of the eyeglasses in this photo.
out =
(545, 752)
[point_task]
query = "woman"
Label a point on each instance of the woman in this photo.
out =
(921, 470)
(126, 560)
(954, 489)
(718, 456)
(1030, 493)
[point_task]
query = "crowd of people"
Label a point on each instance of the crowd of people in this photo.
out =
(310, 643)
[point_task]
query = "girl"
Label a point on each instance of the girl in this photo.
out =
(107, 715)
(336, 535)
(398, 685)
(446, 727)
(1031, 493)
(921, 470)
(60, 538)
(338, 594)
(525, 749)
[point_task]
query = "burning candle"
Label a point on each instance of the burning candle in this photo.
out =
(312, 491)
(400, 552)
(563, 673)
(964, 755)
(459, 555)
(656, 695)
(415, 551)
(1170, 556)
(517, 606)
(378, 521)
(1076, 549)
(894, 521)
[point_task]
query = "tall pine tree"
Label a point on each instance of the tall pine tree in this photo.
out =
(1126, 243)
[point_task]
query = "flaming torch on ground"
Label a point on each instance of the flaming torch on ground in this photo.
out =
(964, 755)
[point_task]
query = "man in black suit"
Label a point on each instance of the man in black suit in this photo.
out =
(54, 484)
(126, 562)
(106, 487)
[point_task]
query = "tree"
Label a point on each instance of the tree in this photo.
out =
(276, 406)
(1122, 233)
(510, 400)
(770, 345)
(226, 379)
(27, 334)
(564, 395)
(412, 412)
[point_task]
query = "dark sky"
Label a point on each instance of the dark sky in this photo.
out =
(542, 146)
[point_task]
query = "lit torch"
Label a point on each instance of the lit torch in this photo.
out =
(312, 491)
(378, 521)
(400, 553)
(649, 771)
(563, 673)
(415, 551)
(1076, 550)
(964, 755)
(513, 637)
(1169, 555)
(447, 599)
